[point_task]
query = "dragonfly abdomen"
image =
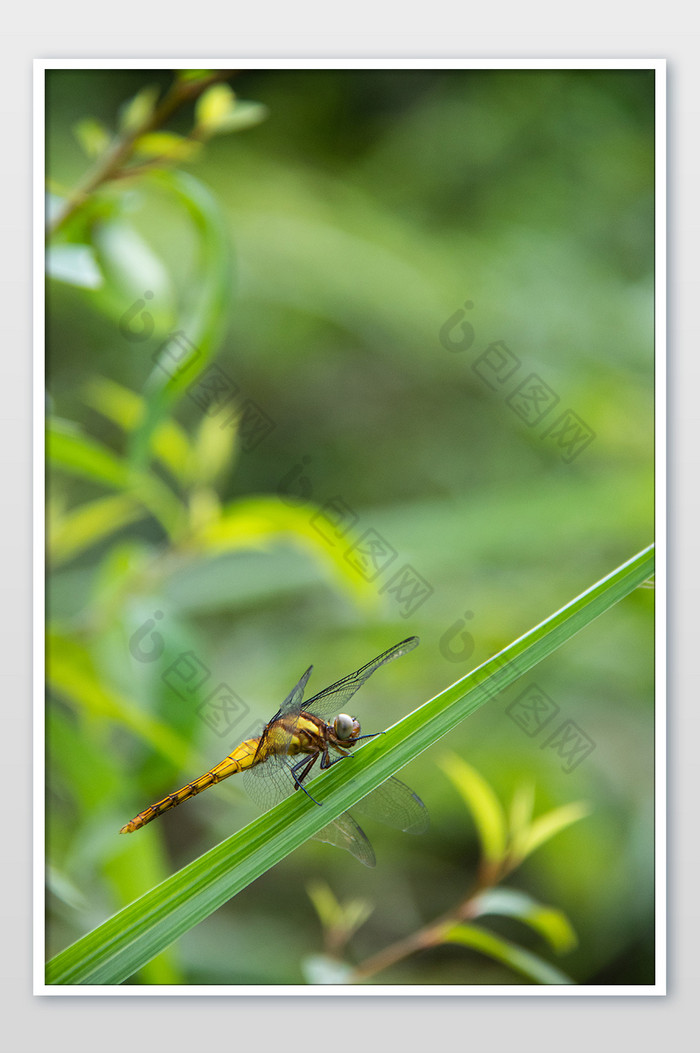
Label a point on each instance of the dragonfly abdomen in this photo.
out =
(240, 759)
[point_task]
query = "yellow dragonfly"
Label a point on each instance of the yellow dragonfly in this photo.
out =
(271, 771)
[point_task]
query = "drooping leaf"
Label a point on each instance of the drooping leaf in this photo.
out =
(482, 802)
(549, 922)
(521, 961)
(70, 673)
(126, 408)
(75, 265)
(520, 817)
(90, 523)
(68, 448)
(264, 521)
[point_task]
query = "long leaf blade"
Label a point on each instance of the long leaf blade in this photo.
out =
(116, 949)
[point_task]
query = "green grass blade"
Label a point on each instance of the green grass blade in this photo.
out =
(116, 949)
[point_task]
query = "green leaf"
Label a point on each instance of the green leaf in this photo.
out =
(168, 145)
(482, 803)
(520, 817)
(135, 113)
(75, 265)
(61, 886)
(322, 969)
(219, 111)
(245, 115)
(70, 673)
(262, 521)
(68, 448)
(521, 961)
(204, 320)
(77, 530)
(193, 74)
(546, 826)
(212, 452)
(549, 922)
(126, 409)
(339, 919)
(92, 136)
(79, 455)
(131, 269)
(213, 106)
(116, 949)
(129, 872)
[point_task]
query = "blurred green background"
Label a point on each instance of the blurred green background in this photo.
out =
(360, 215)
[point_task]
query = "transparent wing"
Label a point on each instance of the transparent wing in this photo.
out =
(269, 783)
(332, 700)
(293, 702)
(290, 709)
(345, 833)
(396, 805)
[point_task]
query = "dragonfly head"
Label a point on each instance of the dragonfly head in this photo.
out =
(346, 728)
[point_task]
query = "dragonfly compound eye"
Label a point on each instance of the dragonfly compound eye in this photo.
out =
(346, 727)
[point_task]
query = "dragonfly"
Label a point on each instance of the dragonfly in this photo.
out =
(281, 759)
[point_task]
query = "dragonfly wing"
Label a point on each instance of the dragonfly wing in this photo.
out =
(332, 700)
(292, 703)
(396, 805)
(345, 833)
(269, 783)
(284, 728)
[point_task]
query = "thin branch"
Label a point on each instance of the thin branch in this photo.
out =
(111, 164)
(431, 935)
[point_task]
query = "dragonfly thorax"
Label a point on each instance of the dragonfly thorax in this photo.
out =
(346, 728)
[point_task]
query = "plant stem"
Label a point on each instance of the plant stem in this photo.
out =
(110, 163)
(429, 936)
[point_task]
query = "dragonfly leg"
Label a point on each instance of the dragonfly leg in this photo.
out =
(305, 765)
(326, 761)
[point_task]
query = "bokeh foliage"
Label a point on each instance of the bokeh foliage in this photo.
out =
(315, 258)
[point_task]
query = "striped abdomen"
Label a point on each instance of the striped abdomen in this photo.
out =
(241, 758)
